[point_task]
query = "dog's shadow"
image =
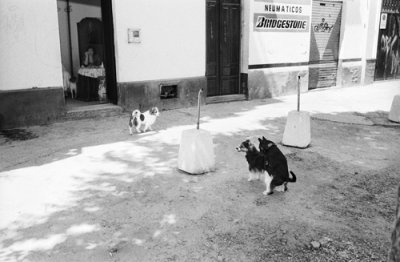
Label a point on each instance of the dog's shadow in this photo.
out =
(263, 200)
(147, 133)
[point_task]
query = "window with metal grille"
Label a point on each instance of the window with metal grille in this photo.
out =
(168, 91)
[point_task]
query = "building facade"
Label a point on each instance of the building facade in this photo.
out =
(160, 53)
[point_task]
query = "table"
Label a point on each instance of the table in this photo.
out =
(88, 83)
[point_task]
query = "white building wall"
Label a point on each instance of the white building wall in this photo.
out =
(172, 39)
(278, 47)
(274, 51)
(374, 7)
(351, 34)
(30, 45)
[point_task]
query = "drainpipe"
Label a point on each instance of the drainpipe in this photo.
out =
(71, 66)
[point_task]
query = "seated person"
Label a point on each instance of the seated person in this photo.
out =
(91, 58)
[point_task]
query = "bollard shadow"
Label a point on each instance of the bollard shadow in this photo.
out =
(121, 197)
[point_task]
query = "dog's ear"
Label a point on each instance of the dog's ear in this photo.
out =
(264, 138)
(260, 140)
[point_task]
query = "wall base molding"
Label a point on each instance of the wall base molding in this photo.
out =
(146, 94)
(26, 107)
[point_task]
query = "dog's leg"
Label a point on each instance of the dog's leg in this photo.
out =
(285, 188)
(130, 131)
(280, 188)
(268, 180)
(151, 129)
(276, 184)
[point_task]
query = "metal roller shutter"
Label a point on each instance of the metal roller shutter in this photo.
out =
(324, 46)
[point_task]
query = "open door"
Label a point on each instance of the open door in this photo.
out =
(87, 50)
(109, 51)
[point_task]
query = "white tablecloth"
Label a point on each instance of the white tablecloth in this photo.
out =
(93, 72)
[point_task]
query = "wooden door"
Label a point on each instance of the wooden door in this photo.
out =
(223, 47)
(109, 51)
(324, 46)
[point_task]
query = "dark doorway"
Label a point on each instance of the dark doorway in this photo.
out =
(388, 53)
(223, 47)
(88, 54)
(109, 51)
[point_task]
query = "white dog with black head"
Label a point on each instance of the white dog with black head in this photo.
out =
(146, 119)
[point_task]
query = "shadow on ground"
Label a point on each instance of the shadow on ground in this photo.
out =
(103, 195)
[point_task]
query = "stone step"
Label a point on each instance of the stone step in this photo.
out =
(225, 99)
(93, 111)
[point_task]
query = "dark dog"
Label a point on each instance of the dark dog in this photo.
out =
(257, 163)
(277, 165)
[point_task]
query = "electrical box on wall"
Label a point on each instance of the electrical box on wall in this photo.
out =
(134, 35)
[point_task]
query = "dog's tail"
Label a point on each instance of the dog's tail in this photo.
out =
(293, 179)
(134, 118)
(135, 113)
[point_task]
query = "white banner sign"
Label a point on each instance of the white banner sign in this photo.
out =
(282, 15)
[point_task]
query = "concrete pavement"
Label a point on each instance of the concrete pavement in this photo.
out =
(59, 169)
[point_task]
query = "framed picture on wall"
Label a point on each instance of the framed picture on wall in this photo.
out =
(134, 35)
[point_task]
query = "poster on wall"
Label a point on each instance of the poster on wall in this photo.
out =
(383, 22)
(388, 53)
(282, 15)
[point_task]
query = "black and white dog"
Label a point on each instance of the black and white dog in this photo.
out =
(277, 166)
(257, 163)
(268, 161)
(148, 118)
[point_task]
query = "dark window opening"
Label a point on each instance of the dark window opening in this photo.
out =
(168, 91)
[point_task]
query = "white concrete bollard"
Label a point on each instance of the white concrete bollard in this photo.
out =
(196, 152)
(394, 114)
(297, 130)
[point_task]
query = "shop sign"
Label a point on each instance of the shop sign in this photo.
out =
(272, 23)
(282, 15)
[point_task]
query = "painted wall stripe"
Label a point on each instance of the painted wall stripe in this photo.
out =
(261, 66)
(351, 60)
(322, 62)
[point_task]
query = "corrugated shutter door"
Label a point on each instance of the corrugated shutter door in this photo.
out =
(324, 46)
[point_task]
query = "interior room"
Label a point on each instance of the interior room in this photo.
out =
(82, 50)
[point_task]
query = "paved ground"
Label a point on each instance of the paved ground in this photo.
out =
(87, 191)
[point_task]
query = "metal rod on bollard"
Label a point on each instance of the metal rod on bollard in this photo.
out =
(298, 93)
(198, 108)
